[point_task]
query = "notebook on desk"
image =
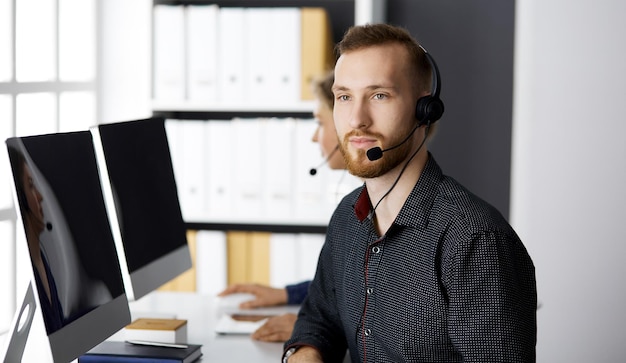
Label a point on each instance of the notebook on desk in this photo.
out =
(116, 351)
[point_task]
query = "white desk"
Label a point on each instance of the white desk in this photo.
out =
(201, 314)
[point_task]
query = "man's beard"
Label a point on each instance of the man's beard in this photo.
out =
(359, 165)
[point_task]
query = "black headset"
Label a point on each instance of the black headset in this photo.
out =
(430, 108)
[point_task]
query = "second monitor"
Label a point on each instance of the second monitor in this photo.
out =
(135, 157)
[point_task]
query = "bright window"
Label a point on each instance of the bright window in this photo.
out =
(35, 113)
(47, 85)
(35, 42)
(6, 53)
(77, 48)
(76, 111)
(6, 130)
(7, 268)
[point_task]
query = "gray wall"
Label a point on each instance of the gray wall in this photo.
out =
(472, 43)
(569, 172)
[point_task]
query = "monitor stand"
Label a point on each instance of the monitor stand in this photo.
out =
(14, 349)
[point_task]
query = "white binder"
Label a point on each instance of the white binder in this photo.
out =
(202, 29)
(169, 53)
(232, 57)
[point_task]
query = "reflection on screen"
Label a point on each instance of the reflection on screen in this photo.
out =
(69, 239)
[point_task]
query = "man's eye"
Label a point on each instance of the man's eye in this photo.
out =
(380, 96)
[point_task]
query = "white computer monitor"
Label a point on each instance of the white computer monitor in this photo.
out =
(136, 164)
(76, 281)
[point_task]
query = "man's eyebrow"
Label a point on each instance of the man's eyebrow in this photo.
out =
(370, 88)
(339, 88)
(380, 86)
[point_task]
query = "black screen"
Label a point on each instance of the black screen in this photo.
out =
(144, 189)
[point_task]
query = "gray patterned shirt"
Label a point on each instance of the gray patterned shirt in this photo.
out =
(450, 281)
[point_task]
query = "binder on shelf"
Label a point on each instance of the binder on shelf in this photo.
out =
(192, 182)
(317, 47)
(219, 169)
(308, 250)
(338, 184)
(293, 257)
(210, 263)
(115, 351)
(308, 189)
(202, 28)
(278, 144)
(232, 54)
(283, 261)
(285, 30)
(169, 53)
(261, 57)
(248, 166)
(248, 257)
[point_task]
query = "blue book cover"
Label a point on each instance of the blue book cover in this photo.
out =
(123, 352)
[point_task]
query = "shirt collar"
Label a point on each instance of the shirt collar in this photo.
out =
(414, 212)
(363, 206)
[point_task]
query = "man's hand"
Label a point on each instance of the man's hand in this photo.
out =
(265, 295)
(276, 329)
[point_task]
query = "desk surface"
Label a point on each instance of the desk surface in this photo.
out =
(202, 314)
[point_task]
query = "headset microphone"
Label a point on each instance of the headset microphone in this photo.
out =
(376, 153)
(313, 171)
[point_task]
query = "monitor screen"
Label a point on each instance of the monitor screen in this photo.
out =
(76, 273)
(136, 157)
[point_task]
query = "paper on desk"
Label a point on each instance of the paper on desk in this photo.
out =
(233, 324)
(230, 305)
(234, 320)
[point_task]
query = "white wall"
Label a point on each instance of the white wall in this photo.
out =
(569, 172)
(125, 29)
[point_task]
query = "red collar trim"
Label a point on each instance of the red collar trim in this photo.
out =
(362, 206)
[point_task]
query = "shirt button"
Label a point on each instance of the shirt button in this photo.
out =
(367, 332)
(369, 290)
(376, 249)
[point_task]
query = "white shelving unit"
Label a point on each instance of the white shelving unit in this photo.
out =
(342, 14)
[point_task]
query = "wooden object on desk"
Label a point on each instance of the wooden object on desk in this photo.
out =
(248, 257)
(157, 330)
(187, 280)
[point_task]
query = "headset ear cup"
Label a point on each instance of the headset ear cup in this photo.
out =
(428, 108)
(420, 109)
(435, 109)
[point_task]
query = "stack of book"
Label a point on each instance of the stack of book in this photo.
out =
(126, 352)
